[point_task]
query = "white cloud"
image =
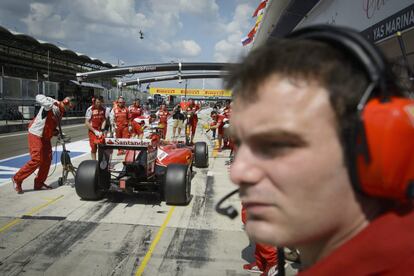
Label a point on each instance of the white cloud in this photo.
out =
(42, 20)
(207, 7)
(188, 48)
(230, 48)
(109, 29)
(109, 12)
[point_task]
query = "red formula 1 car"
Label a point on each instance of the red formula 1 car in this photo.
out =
(149, 166)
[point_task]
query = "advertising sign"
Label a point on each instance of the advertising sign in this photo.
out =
(191, 92)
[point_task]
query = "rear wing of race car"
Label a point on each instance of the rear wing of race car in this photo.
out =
(126, 143)
(138, 147)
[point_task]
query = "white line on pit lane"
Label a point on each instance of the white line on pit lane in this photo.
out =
(25, 132)
(73, 146)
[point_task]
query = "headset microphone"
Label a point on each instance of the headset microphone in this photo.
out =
(228, 211)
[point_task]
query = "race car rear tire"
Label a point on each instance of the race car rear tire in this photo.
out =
(177, 186)
(201, 155)
(86, 181)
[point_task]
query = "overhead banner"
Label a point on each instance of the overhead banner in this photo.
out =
(399, 21)
(190, 92)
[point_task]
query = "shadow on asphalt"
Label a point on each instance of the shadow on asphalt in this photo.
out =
(131, 200)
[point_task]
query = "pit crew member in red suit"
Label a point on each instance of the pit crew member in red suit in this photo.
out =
(193, 109)
(218, 123)
(119, 120)
(163, 115)
(95, 120)
(183, 105)
(265, 255)
(137, 126)
(134, 110)
(293, 166)
(227, 109)
(41, 130)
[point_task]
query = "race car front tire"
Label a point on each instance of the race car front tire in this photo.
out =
(86, 181)
(177, 186)
(201, 155)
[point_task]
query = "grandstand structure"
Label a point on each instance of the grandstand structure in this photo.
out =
(30, 66)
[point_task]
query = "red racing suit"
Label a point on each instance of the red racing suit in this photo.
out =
(163, 117)
(137, 126)
(41, 130)
(219, 123)
(227, 112)
(96, 117)
(265, 255)
(183, 105)
(134, 111)
(194, 119)
(119, 118)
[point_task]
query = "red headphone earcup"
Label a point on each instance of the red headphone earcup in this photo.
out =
(389, 129)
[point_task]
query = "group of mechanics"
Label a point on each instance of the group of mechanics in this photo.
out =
(123, 121)
(129, 122)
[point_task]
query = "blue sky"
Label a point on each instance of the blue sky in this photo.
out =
(185, 30)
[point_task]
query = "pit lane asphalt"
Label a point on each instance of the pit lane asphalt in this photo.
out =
(55, 233)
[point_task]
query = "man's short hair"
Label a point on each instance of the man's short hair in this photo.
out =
(213, 113)
(303, 60)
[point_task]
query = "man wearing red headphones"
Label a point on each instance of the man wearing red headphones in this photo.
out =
(41, 130)
(326, 163)
(95, 120)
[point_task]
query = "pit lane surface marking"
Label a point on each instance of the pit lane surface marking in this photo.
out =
(25, 132)
(31, 212)
(147, 257)
(9, 166)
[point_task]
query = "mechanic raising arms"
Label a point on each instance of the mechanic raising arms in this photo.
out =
(134, 110)
(41, 130)
(95, 120)
(163, 115)
(192, 109)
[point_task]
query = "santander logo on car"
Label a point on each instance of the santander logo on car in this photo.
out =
(127, 142)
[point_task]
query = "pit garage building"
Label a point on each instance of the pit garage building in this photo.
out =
(30, 66)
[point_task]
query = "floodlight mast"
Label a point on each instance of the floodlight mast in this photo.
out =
(148, 68)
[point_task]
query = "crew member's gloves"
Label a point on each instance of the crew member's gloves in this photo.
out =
(226, 123)
(97, 133)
